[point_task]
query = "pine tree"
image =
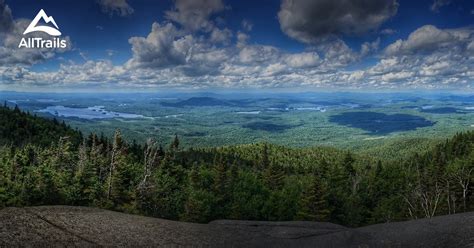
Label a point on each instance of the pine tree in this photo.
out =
(221, 184)
(221, 176)
(83, 157)
(323, 167)
(199, 206)
(116, 188)
(194, 176)
(234, 173)
(85, 182)
(348, 164)
(314, 205)
(273, 176)
(63, 157)
(265, 160)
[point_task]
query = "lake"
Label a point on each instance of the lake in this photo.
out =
(89, 113)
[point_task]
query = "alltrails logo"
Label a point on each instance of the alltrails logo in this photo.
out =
(39, 42)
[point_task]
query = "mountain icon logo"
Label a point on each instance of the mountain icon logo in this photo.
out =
(47, 19)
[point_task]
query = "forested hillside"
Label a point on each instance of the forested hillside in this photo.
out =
(256, 181)
(18, 128)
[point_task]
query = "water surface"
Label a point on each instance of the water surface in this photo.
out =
(89, 113)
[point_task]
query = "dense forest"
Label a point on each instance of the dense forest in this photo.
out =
(45, 162)
(18, 128)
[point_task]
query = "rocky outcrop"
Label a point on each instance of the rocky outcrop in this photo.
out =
(90, 227)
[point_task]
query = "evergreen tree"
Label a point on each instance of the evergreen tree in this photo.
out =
(221, 184)
(314, 204)
(117, 191)
(199, 184)
(86, 187)
(273, 176)
(199, 206)
(265, 160)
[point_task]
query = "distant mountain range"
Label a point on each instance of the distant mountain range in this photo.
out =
(198, 102)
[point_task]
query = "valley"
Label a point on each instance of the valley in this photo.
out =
(362, 122)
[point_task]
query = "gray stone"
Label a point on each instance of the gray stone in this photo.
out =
(60, 226)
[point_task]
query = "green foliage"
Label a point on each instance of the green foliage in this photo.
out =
(314, 204)
(18, 128)
(255, 182)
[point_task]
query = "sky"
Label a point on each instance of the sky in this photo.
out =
(289, 45)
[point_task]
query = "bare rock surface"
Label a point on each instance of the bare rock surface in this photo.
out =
(61, 226)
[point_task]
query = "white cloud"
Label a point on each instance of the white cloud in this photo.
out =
(301, 60)
(274, 69)
(222, 36)
(429, 58)
(429, 38)
(394, 76)
(164, 46)
(242, 39)
(369, 47)
(436, 68)
(177, 54)
(356, 76)
(338, 53)
(258, 54)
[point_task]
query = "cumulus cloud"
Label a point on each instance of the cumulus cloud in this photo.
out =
(301, 60)
(338, 52)
(258, 54)
(396, 76)
(188, 40)
(167, 46)
(89, 73)
(429, 58)
(310, 21)
(164, 46)
(194, 15)
(242, 39)
(222, 36)
(178, 54)
(369, 47)
(435, 68)
(429, 38)
(115, 7)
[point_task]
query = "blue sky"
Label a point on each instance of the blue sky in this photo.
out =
(213, 44)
